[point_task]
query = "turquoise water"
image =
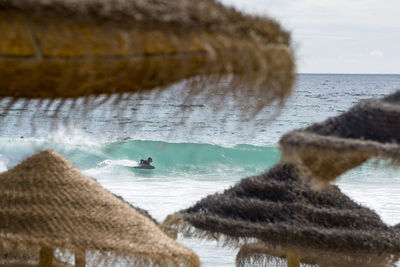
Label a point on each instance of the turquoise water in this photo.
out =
(197, 148)
(170, 159)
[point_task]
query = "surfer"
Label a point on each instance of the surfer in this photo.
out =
(147, 162)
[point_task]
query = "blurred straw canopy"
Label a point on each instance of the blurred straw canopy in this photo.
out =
(279, 209)
(70, 49)
(371, 129)
(46, 202)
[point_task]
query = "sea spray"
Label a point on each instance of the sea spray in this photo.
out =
(170, 159)
(70, 143)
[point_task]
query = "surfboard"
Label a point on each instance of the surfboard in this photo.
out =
(144, 167)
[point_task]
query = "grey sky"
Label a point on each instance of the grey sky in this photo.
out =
(337, 36)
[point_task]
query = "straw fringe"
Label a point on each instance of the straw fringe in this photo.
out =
(278, 208)
(274, 254)
(176, 222)
(369, 130)
(264, 254)
(27, 255)
(68, 49)
(47, 202)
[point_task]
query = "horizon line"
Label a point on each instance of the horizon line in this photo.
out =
(348, 73)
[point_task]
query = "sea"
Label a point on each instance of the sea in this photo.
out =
(199, 147)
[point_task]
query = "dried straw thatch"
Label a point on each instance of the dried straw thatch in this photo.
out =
(70, 48)
(47, 203)
(279, 209)
(371, 129)
(17, 255)
(263, 254)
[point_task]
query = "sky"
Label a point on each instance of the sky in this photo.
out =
(337, 36)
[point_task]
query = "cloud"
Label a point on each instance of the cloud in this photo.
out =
(363, 31)
(376, 53)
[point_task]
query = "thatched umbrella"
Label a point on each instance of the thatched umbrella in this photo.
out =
(371, 129)
(281, 210)
(46, 202)
(69, 49)
(263, 254)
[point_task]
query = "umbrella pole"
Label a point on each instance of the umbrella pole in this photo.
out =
(293, 259)
(46, 257)
(80, 258)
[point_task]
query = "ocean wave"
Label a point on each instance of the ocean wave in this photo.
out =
(169, 158)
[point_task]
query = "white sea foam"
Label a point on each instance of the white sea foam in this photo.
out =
(3, 164)
(119, 162)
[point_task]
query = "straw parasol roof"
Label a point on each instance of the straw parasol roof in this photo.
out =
(70, 49)
(263, 254)
(279, 209)
(371, 129)
(46, 202)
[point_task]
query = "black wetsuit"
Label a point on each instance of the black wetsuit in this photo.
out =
(144, 162)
